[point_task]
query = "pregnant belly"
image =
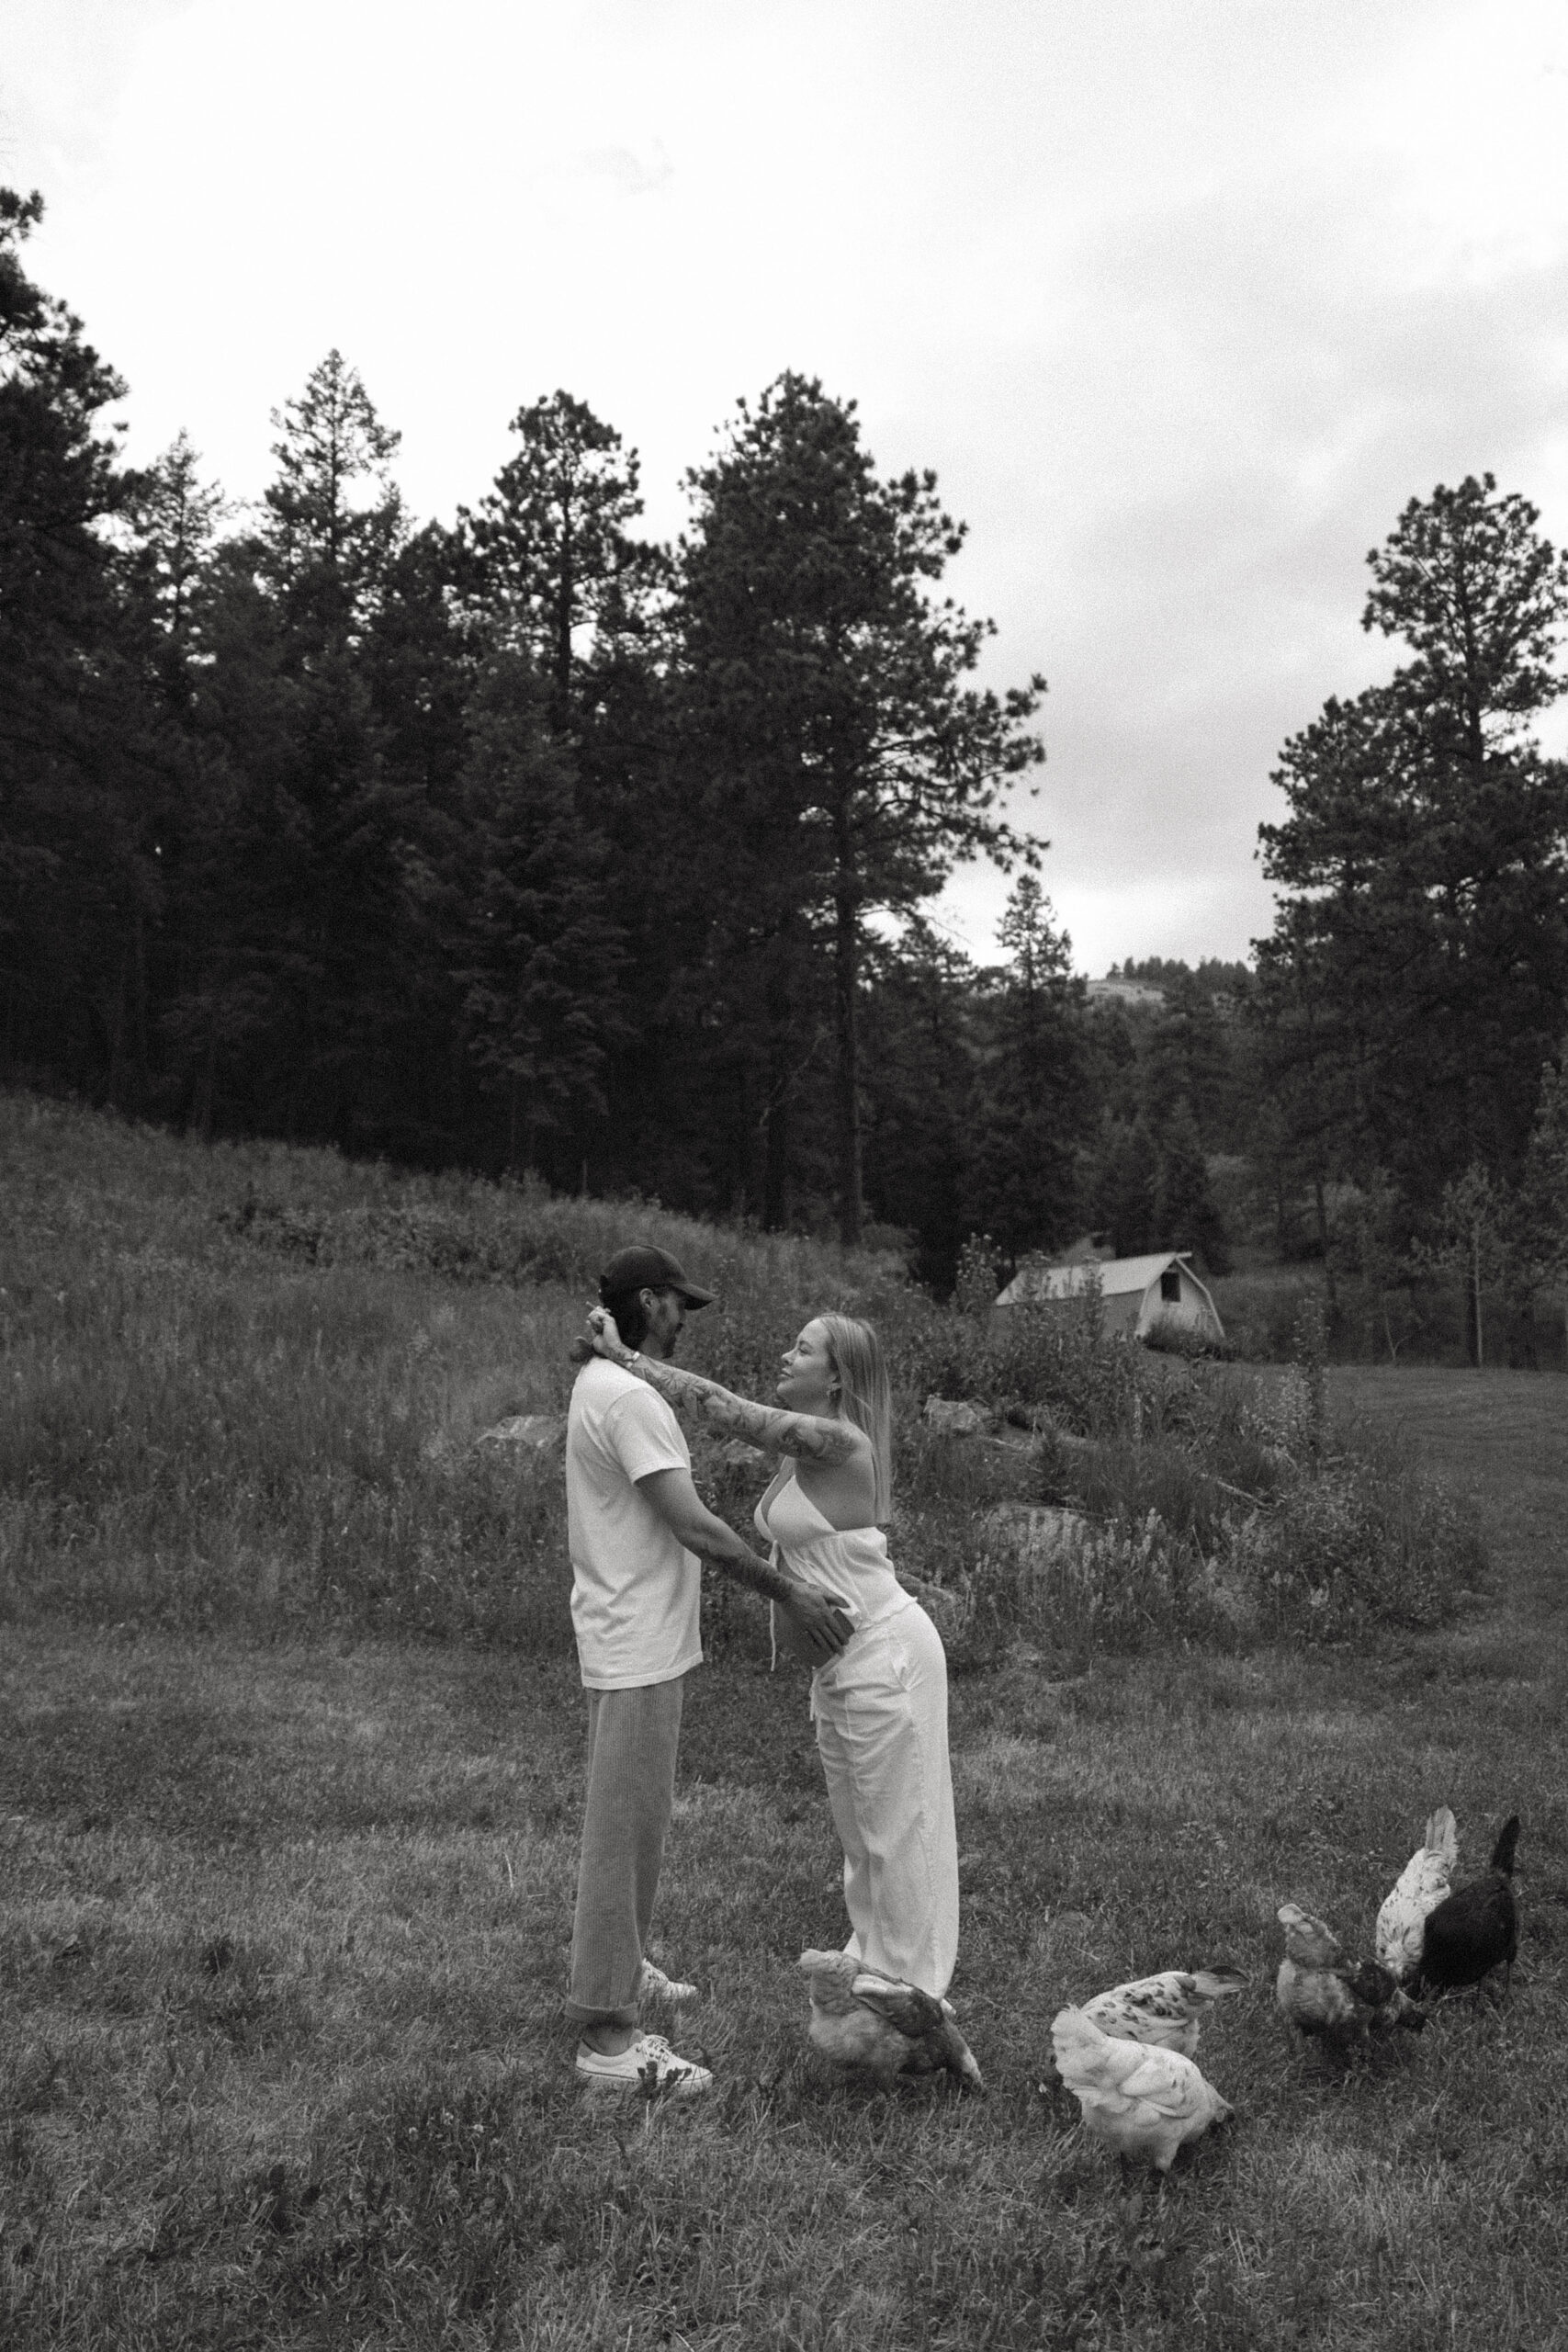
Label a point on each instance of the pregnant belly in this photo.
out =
(866, 1602)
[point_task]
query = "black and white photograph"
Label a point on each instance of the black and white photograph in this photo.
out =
(783, 1175)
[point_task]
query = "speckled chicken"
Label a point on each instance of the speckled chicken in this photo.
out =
(862, 2020)
(1476, 1930)
(1164, 2011)
(1142, 2102)
(1421, 1885)
(1322, 1992)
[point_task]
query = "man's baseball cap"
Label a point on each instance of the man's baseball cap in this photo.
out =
(642, 1267)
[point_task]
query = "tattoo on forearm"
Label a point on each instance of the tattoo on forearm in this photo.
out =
(760, 1576)
(764, 1425)
(757, 1575)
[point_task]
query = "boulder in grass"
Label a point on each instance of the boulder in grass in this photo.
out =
(1034, 1421)
(956, 1418)
(525, 1433)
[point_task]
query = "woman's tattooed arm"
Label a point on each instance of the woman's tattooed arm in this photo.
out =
(808, 1435)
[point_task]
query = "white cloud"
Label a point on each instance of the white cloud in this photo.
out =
(1184, 299)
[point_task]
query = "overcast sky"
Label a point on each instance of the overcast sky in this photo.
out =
(1182, 298)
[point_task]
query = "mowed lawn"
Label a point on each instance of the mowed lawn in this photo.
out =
(282, 1952)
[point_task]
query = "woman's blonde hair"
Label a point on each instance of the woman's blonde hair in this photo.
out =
(865, 1397)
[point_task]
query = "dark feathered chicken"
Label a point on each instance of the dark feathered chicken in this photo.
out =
(1324, 1992)
(1378, 1990)
(1476, 1930)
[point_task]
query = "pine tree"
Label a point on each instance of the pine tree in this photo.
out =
(80, 757)
(554, 562)
(1023, 1164)
(175, 521)
(171, 527)
(920, 1093)
(846, 761)
(1190, 1058)
(304, 983)
(537, 961)
(1121, 1183)
(1540, 1226)
(331, 517)
(239, 858)
(1185, 1213)
(1373, 1244)
(1419, 969)
(1471, 1239)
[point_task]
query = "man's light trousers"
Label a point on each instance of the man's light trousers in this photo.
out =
(633, 1736)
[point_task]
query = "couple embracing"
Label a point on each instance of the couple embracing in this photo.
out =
(639, 1532)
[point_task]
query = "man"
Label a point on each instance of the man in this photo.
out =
(638, 1532)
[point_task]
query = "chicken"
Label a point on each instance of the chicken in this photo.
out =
(1141, 2102)
(1164, 2011)
(1322, 1992)
(1419, 1888)
(861, 2019)
(1380, 2000)
(1471, 1932)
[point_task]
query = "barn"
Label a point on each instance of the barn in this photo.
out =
(1137, 1292)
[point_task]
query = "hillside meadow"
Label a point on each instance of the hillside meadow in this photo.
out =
(289, 1738)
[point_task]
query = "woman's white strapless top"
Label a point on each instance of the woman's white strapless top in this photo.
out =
(848, 1561)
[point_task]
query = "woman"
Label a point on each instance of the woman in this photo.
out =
(880, 1706)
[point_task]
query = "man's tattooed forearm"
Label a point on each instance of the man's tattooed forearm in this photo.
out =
(757, 1575)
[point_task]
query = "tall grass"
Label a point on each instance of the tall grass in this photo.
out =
(245, 1384)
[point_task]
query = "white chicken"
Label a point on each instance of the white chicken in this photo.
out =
(1141, 2101)
(1165, 2011)
(862, 2020)
(1421, 1885)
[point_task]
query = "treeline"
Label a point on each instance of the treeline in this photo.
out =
(527, 844)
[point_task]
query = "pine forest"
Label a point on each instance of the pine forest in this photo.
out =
(528, 845)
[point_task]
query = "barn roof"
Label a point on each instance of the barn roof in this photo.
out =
(1117, 1275)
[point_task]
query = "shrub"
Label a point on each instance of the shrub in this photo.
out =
(1220, 1516)
(1260, 1313)
(1170, 1335)
(1362, 1545)
(1061, 1364)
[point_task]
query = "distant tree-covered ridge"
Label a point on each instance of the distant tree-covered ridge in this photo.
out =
(1213, 975)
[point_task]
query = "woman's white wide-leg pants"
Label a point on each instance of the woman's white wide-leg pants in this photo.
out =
(881, 1712)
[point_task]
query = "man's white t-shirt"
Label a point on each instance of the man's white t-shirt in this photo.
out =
(636, 1592)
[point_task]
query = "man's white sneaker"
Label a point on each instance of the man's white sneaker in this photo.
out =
(654, 1986)
(648, 2063)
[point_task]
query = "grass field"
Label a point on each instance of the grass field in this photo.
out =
(282, 1948)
